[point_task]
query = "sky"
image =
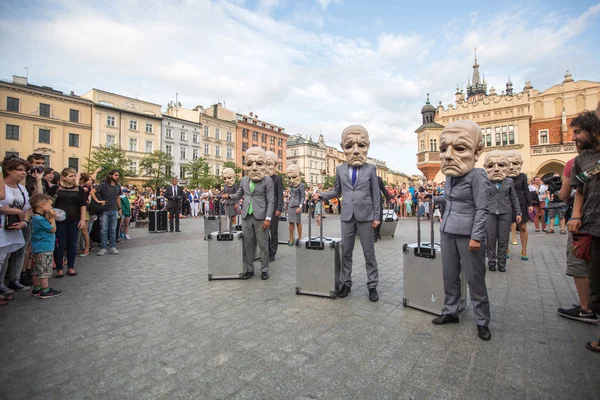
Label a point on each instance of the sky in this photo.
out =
(311, 66)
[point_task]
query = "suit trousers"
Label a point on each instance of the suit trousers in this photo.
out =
(378, 229)
(274, 238)
(456, 255)
(364, 229)
(497, 229)
(253, 233)
(174, 211)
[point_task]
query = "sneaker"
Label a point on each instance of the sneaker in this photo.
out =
(114, 250)
(85, 253)
(127, 237)
(16, 285)
(102, 252)
(51, 293)
(578, 314)
(36, 292)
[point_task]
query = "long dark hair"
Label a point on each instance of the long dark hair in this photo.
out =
(109, 178)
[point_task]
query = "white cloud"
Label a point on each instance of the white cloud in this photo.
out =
(325, 3)
(306, 81)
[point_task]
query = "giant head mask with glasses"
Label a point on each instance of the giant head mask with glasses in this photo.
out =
(460, 147)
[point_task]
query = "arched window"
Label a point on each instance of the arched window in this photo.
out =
(579, 103)
(558, 106)
(539, 110)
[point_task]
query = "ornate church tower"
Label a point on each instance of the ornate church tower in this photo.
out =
(477, 88)
(428, 157)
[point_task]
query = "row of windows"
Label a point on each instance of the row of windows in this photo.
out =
(14, 104)
(44, 135)
(195, 136)
(73, 162)
(502, 135)
(133, 124)
(263, 137)
(195, 152)
(315, 165)
(264, 125)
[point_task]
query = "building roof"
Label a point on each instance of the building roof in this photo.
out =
(127, 97)
(180, 119)
(46, 89)
(428, 107)
(429, 125)
(158, 117)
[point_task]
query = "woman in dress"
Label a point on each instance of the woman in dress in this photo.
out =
(515, 163)
(69, 197)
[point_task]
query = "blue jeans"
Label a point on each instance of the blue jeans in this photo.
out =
(66, 235)
(108, 228)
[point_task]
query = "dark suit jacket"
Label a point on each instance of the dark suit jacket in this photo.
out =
(171, 201)
(278, 192)
(503, 200)
(384, 191)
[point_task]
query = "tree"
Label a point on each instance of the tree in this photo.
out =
(328, 181)
(195, 170)
(156, 165)
(207, 180)
(109, 158)
(231, 164)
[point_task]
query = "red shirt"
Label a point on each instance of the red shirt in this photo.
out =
(568, 167)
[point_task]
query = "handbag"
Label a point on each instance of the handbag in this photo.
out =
(582, 246)
(96, 208)
(10, 219)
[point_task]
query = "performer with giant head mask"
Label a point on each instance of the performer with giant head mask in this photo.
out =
(257, 211)
(502, 205)
(230, 187)
(271, 171)
(515, 164)
(297, 196)
(356, 182)
(462, 231)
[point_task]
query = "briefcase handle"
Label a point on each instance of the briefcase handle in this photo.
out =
(421, 251)
(314, 244)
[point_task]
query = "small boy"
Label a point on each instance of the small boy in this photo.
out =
(43, 227)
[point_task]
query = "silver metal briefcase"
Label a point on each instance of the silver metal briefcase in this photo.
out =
(423, 277)
(318, 265)
(225, 254)
(389, 223)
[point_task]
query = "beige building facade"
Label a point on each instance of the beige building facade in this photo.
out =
(39, 119)
(132, 124)
(309, 156)
(533, 122)
(217, 141)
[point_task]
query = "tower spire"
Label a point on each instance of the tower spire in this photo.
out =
(476, 80)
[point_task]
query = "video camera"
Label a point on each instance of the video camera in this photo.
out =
(554, 183)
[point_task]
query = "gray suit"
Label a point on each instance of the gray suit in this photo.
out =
(503, 203)
(360, 207)
(464, 220)
(263, 204)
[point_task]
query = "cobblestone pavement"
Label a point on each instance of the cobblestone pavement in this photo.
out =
(148, 324)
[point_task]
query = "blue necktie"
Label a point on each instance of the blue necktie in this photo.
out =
(353, 176)
(497, 185)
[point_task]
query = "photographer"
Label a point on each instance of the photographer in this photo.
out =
(33, 181)
(174, 196)
(555, 205)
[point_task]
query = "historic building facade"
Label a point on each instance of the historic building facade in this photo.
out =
(536, 123)
(217, 141)
(39, 119)
(309, 156)
(180, 139)
(132, 124)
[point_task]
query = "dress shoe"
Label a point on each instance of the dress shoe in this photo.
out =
(264, 276)
(492, 267)
(177, 230)
(484, 332)
(375, 239)
(271, 258)
(344, 291)
(373, 296)
(247, 275)
(445, 319)
(171, 231)
(502, 268)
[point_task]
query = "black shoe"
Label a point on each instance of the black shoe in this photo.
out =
(375, 240)
(484, 332)
(502, 268)
(177, 230)
(264, 276)
(271, 258)
(171, 231)
(344, 291)
(492, 267)
(247, 275)
(445, 319)
(578, 314)
(373, 296)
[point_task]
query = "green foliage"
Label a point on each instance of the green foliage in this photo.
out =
(156, 165)
(231, 164)
(328, 181)
(195, 170)
(108, 158)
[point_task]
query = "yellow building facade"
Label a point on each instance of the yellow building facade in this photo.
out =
(39, 119)
(132, 124)
(535, 123)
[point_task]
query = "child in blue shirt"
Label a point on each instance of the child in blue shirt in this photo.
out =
(43, 228)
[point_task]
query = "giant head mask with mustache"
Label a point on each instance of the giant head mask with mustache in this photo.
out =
(461, 145)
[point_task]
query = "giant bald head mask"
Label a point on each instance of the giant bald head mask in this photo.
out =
(496, 165)
(271, 163)
(256, 161)
(460, 147)
(228, 176)
(515, 163)
(355, 143)
(293, 174)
